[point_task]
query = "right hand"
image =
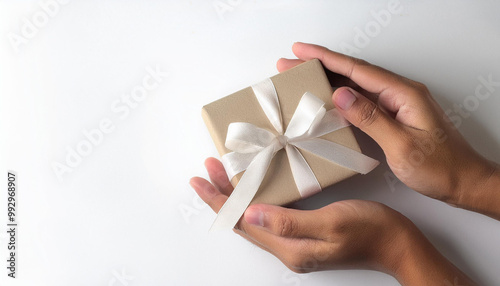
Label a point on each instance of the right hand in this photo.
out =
(423, 148)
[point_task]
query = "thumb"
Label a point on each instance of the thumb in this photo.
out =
(366, 115)
(285, 222)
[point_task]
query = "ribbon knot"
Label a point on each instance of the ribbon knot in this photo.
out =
(254, 147)
(283, 140)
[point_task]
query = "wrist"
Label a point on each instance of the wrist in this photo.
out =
(420, 263)
(482, 191)
(401, 240)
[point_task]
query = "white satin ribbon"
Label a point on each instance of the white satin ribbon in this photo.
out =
(253, 149)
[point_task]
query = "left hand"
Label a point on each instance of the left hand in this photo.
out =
(343, 235)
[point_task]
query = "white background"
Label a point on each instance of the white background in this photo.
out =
(119, 212)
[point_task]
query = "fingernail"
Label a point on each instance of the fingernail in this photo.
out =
(254, 216)
(344, 99)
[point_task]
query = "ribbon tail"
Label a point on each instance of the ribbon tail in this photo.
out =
(245, 191)
(339, 154)
(304, 178)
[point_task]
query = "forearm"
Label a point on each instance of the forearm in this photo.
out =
(421, 264)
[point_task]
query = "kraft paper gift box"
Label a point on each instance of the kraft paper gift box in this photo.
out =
(278, 186)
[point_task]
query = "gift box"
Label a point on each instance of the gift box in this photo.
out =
(278, 186)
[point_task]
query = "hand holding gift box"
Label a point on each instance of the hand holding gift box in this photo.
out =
(266, 125)
(352, 233)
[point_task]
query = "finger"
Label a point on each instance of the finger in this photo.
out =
(334, 79)
(267, 240)
(285, 222)
(208, 193)
(218, 176)
(367, 116)
(296, 254)
(292, 253)
(286, 64)
(369, 77)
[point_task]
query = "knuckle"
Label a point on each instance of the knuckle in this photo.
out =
(355, 63)
(335, 219)
(368, 113)
(421, 88)
(286, 225)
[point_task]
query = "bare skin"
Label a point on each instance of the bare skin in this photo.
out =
(423, 150)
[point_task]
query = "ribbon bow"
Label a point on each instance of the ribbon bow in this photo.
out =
(253, 149)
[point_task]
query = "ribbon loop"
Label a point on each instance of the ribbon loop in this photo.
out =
(253, 149)
(244, 138)
(309, 111)
(268, 99)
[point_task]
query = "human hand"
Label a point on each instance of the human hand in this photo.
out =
(351, 234)
(422, 147)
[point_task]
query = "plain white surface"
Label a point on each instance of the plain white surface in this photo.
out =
(116, 219)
